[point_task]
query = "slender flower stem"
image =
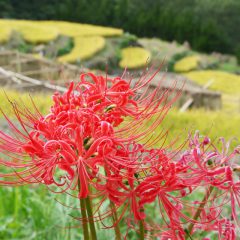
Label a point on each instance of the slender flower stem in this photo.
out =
(84, 219)
(188, 235)
(141, 230)
(115, 218)
(90, 219)
(84, 216)
(199, 210)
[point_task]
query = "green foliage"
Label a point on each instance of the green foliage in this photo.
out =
(6, 8)
(32, 213)
(16, 41)
(128, 40)
(237, 53)
(229, 67)
(66, 49)
(25, 48)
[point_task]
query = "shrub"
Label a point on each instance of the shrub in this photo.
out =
(237, 53)
(128, 40)
(67, 48)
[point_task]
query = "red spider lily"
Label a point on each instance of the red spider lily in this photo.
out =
(225, 229)
(85, 146)
(76, 136)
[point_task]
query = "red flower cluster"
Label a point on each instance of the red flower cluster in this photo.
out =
(94, 142)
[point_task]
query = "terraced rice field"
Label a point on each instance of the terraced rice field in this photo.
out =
(134, 57)
(88, 39)
(226, 83)
(84, 48)
(187, 64)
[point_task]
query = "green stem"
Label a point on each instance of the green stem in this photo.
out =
(141, 230)
(90, 218)
(114, 216)
(84, 219)
(115, 219)
(199, 210)
(188, 235)
(84, 216)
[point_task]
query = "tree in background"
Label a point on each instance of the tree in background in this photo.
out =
(208, 25)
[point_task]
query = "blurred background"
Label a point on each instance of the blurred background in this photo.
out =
(45, 44)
